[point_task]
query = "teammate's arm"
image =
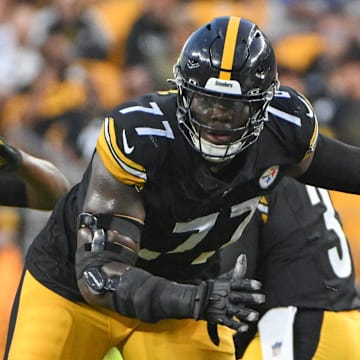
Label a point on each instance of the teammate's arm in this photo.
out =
(334, 165)
(108, 241)
(326, 163)
(40, 182)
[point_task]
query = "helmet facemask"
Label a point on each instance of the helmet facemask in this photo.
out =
(251, 108)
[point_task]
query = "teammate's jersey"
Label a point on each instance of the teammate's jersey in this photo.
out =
(304, 257)
(190, 212)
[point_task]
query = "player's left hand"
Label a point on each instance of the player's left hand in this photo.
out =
(233, 313)
(10, 157)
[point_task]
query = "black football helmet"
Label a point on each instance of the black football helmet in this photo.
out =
(226, 75)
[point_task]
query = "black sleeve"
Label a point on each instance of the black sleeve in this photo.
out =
(335, 166)
(13, 191)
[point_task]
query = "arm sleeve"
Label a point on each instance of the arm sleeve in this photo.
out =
(335, 166)
(151, 298)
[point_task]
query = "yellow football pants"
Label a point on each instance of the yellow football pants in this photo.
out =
(50, 327)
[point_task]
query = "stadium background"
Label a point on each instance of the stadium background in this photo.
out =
(65, 63)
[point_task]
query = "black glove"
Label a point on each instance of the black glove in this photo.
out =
(139, 294)
(10, 157)
(221, 301)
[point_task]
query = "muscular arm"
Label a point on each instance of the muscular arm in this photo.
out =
(28, 181)
(44, 182)
(107, 195)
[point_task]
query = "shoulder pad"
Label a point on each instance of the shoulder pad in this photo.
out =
(134, 137)
(293, 112)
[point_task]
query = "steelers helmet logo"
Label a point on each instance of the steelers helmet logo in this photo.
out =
(268, 177)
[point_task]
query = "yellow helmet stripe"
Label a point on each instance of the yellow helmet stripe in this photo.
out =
(121, 167)
(229, 47)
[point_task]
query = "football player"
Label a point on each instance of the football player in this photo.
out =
(306, 269)
(129, 258)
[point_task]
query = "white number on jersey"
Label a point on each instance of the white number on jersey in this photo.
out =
(340, 265)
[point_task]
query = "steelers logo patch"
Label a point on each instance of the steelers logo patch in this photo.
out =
(268, 177)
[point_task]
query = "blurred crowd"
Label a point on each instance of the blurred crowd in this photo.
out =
(66, 63)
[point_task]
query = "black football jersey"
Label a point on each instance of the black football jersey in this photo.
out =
(191, 212)
(304, 257)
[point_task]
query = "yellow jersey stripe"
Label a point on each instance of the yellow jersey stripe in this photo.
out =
(263, 208)
(121, 167)
(313, 140)
(315, 134)
(229, 47)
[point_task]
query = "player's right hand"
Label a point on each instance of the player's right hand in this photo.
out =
(10, 157)
(226, 300)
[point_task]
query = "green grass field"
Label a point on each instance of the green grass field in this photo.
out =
(113, 354)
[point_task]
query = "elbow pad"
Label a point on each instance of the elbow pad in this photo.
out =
(91, 256)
